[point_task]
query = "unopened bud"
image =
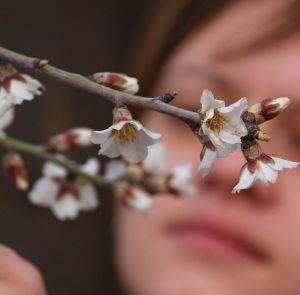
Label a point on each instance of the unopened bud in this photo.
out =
(72, 139)
(117, 81)
(262, 136)
(121, 114)
(15, 168)
(269, 108)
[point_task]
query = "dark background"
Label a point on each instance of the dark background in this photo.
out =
(75, 257)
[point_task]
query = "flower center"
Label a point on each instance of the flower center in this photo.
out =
(216, 123)
(127, 134)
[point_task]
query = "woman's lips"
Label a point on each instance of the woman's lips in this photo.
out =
(215, 239)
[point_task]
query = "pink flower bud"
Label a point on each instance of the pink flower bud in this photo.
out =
(269, 108)
(117, 81)
(15, 169)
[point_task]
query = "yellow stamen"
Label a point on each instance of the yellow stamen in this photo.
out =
(128, 133)
(217, 122)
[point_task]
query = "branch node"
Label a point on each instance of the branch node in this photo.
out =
(167, 97)
(40, 63)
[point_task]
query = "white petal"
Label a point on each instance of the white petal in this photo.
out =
(229, 138)
(120, 125)
(51, 169)
(6, 119)
(66, 207)
(281, 164)
(208, 101)
(91, 166)
(114, 170)
(246, 180)
(19, 92)
(88, 197)
(232, 113)
(141, 202)
(270, 174)
(43, 192)
(157, 159)
(207, 162)
(229, 148)
(99, 137)
(149, 137)
(110, 149)
(182, 180)
(134, 152)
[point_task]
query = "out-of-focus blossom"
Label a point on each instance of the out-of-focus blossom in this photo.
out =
(6, 119)
(263, 169)
(65, 197)
(117, 81)
(19, 87)
(15, 168)
(181, 180)
(126, 137)
(133, 197)
(269, 108)
(72, 139)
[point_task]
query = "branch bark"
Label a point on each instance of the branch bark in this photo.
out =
(38, 151)
(41, 67)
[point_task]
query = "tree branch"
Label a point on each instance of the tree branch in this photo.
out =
(41, 67)
(39, 152)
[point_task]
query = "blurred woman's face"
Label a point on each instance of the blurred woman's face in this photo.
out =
(203, 253)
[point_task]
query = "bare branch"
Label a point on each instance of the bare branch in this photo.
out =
(41, 67)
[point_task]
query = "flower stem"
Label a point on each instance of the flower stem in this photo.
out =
(38, 151)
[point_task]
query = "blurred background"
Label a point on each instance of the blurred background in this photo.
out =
(75, 257)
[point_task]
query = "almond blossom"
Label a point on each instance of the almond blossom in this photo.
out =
(65, 197)
(223, 125)
(19, 87)
(221, 129)
(264, 170)
(134, 198)
(126, 137)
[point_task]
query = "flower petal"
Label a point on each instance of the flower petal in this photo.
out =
(208, 101)
(99, 137)
(156, 161)
(91, 166)
(43, 192)
(66, 207)
(280, 163)
(247, 179)
(109, 148)
(207, 162)
(51, 169)
(114, 170)
(88, 197)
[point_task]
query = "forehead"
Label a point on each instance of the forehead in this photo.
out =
(269, 71)
(214, 57)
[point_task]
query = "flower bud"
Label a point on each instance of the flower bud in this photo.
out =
(269, 108)
(117, 81)
(15, 169)
(72, 139)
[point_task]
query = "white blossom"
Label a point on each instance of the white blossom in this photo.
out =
(134, 198)
(222, 125)
(126, 137)
(263, 170)
(209, 155)
(19, 87)
(181, 180)
(66, 198)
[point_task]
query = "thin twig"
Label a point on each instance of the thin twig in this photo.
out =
(41, 67)
(38, 151)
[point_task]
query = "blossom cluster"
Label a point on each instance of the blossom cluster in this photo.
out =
(139, 170)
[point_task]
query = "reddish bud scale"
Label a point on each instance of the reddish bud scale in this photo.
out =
(15, 169)
(114, 81)
(268, 110)
(7, 81)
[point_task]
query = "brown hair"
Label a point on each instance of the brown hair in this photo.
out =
(177, 18)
